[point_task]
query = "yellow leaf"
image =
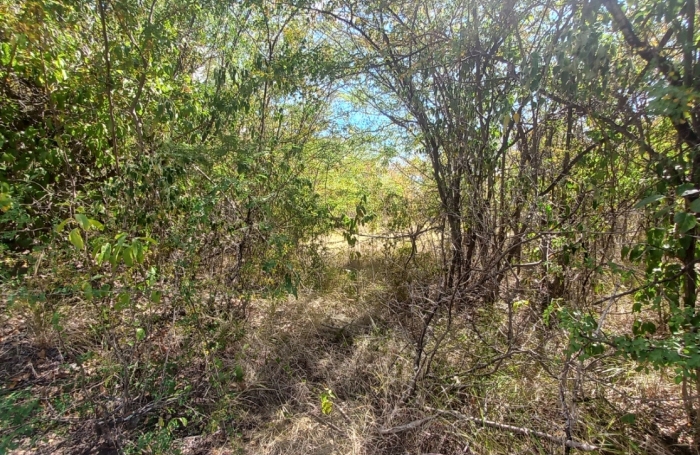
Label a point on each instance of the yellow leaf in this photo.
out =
(5, 202)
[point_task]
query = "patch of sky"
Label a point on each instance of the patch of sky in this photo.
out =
(354, 112)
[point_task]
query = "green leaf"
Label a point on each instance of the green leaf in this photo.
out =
(114, 258)
(685, 221)
(327, 397)
(128, 256)
(326, 405)
(625, 251)
(123, 301)
(649, 327)
(139, 252)
(140, 334)
(636, 252)
(685, 189)
(96, 224)
(238, 373)
(648, 200)
(628, 418)
(87, 290)
(76, 239)
(104, 254)
(62, 225)
(83, 221)
(269, 266)
(155, 296)
(695, 205)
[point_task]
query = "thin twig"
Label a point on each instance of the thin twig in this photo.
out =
(409, 426)
(108, 84)
(325, 422)
(520, 430)
(342, 413)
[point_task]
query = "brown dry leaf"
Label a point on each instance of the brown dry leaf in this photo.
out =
(17, 379)
(61, 375)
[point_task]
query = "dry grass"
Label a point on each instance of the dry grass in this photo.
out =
(357, 342)
(297, 355)
(370, 372)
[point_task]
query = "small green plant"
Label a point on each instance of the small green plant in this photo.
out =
(17, 418)
(327, 398)
(350, 227)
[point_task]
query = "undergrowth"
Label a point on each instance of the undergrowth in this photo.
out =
(328, 372)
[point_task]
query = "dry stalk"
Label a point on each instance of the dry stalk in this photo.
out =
(409, 426)
(519, 430)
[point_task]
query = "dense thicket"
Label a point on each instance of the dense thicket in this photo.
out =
(169, 164)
